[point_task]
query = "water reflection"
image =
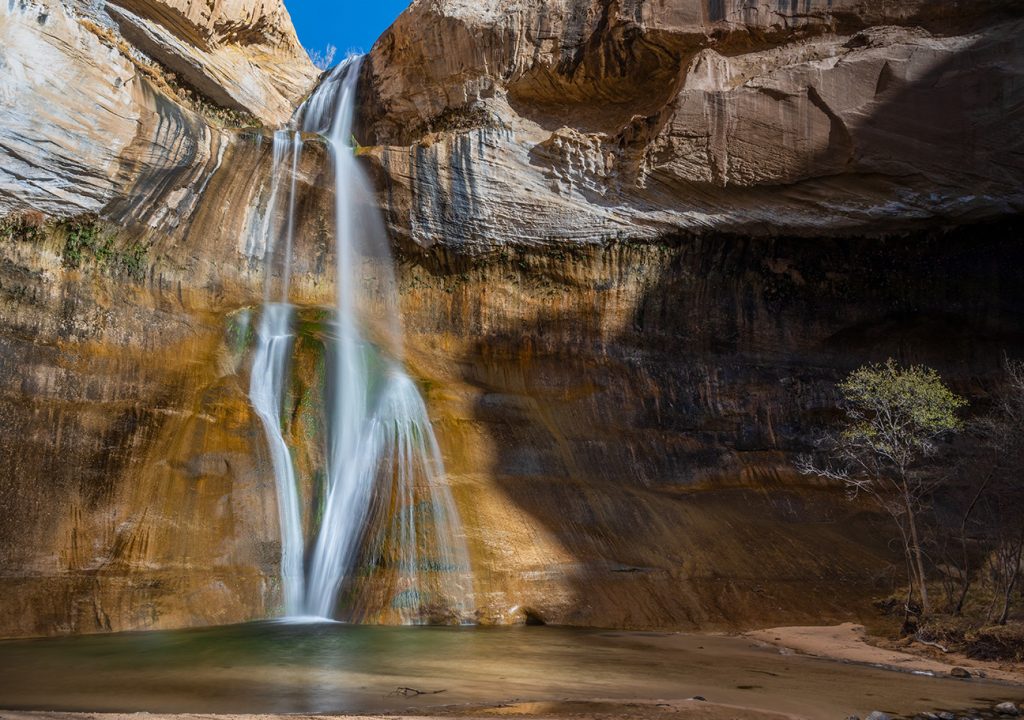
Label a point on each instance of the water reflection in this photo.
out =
(282, 667)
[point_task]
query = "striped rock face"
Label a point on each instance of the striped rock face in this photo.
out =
(107, 108)
(638, 243)
(596, 121)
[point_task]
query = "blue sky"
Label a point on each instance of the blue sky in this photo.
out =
(346, 24)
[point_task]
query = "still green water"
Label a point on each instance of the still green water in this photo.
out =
(333, 668)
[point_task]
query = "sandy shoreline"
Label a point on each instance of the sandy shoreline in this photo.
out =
(849, 643)
(591, 710)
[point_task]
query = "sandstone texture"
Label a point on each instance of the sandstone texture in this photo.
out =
(638, 244)
(240, 54)
(136, 490)
(121, 109)
(620, 423)
(594, 121)
(129, 204)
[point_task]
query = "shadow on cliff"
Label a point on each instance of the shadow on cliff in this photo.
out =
(658, 455)
(647, 420)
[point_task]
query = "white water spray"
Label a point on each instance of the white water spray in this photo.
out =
(387, 503)
(270, 370)
(266, 390)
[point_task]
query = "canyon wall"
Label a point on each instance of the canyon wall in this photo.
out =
(620, 422)
(137, 491)
(126, 109)
(595, 121)
(133, 484)
(637, 245)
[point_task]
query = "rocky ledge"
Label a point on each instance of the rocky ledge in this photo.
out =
(124, 108)
(589, 121)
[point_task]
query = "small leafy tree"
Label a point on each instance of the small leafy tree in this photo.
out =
(894, 418)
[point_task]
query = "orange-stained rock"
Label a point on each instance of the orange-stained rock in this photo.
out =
(619, 423)
(639, 242)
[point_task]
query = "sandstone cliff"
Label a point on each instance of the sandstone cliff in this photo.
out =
(132, 171)
(640, 241)
(591, 121)
(110, 107)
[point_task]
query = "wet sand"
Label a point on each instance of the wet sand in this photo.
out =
(849, 643)
(593, 710)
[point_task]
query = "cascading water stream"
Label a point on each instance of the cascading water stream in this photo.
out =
(271, 363)
(387, 503)
(266, 390)
(347, 458)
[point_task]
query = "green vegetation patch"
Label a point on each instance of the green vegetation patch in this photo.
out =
(83, 242)
(88, 242)
(22, 227)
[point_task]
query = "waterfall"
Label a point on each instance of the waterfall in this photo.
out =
(387, 502)
(266, 390)
(267, 384)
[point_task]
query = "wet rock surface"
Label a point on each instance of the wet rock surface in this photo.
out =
(138, 491)
(618, 425)
(637, 401)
